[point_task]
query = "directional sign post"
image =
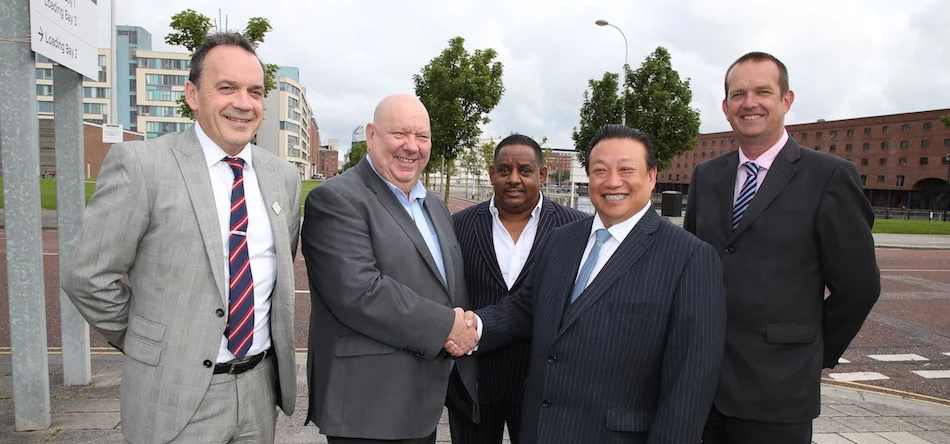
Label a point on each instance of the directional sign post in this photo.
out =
(65, 31)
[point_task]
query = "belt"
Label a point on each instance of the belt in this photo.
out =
(236, 367)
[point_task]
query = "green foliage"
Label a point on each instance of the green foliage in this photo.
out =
(945, 120)
(601, 106)
(658, 103)
(459, 89)
(357, 152)
(191, 27)
(559, 176)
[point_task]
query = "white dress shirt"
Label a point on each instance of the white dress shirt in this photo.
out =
(512, 255)
(618, 232)
(260, 238)
(763, 162)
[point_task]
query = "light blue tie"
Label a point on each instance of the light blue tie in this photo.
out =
(584, 276)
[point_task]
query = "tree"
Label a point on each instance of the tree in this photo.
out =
(945, 120)
(559, 176)
(357, 152)
(601, 106)
(459, 90)
(659, 104)
(191, 27)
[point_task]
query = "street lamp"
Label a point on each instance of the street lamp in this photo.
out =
(946, 203)
(623, 114)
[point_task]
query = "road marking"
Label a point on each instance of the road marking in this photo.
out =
(948, 354)
(843, 361)
(302, 291)
(50, 254)
(898, 358)
(932, 374)
(857, 376)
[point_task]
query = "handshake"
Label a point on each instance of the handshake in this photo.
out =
(464, 335)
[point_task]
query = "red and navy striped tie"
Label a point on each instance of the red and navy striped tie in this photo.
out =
(240, 328)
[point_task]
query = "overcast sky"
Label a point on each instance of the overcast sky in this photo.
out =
(846, 58)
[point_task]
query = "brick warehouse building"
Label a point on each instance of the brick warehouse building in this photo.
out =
(900, 157)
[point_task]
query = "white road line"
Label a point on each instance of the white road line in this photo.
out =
(932, 374)
(898, 358)
(858, 376)
(302, 291)
(948, 354)
(843, 361)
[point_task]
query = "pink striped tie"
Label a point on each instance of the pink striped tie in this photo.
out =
(240, 328)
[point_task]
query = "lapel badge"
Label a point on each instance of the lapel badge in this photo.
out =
(276, 207)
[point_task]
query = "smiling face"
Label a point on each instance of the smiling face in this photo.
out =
(399, 140)
(516, 178)
(228, 101)
(621, 181)
(755, 105)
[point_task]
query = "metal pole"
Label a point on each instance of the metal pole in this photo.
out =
(626, 50)
(114, 72)
(19, 145)
(70, 201)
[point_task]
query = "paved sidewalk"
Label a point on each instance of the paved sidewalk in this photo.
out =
(90, 414)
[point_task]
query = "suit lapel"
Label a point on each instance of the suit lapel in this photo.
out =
(628, 253)
(545, 225)
(197, 179)
(268, 179)
(567, 270)
(726, 190)
(776, 178)
(443, 227)
(485, 241)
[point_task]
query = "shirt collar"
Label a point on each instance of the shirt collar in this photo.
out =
(621, 230)
(535, 212)
(418, 190)
(213, 153)
(766, 159)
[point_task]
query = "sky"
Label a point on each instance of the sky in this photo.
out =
(846, 58)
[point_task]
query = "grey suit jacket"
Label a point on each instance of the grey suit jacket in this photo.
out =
(380, 311)
(153, 218)
(636, 357)
(807, 228)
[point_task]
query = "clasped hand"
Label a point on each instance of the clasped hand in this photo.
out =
(464, 335)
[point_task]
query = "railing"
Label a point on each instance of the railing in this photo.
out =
(908, 214)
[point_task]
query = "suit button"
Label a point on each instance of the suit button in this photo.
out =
(545, 403)
(219, 312)
(552, 359)
(730, 250)
(208, 363)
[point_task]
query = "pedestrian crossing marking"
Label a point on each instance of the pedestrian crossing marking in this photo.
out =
(898, 357)
(857, 376)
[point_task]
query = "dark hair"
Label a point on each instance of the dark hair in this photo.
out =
(519, 139)
(756, 56)
(615, 131)
(217, 39)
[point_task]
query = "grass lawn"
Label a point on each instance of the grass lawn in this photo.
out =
(898, 226)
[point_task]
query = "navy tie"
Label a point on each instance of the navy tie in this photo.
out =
(240, 328)
(745, 194)
(584, 276)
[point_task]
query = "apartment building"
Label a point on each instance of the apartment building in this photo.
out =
(286, 128)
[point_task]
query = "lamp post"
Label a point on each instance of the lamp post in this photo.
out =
(626, 49)
(946, 203)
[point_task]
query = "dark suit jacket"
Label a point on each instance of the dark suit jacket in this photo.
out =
(381, 311)
(635, 359)
(807, 228)
(502, 371)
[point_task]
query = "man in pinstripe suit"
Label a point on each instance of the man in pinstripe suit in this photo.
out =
(632, 354)
(501, 239)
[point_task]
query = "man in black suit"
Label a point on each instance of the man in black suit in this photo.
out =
(625, 312)
(788, 222)
(501, 239)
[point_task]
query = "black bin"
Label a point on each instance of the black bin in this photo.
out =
(671, 204)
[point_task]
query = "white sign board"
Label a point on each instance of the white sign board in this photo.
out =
(65, 31)
(112, 133)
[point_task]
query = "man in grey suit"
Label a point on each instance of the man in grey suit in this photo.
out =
(625, 312)
(788, 222)
(205, 226)
(385, 272)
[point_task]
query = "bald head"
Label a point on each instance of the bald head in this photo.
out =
(399, 140)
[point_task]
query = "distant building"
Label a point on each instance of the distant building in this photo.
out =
(287, 119)
(900, 157)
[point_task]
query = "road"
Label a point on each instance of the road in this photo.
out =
(904, 346)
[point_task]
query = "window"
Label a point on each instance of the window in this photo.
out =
(880, 179)
(867, 131)
(102, 60)
(818, 134)
(905, 127)
(94, 108)
(704, 143)
(927, 126)
(925, 143)
(924, 160)
(165, 79)
(732, 141)
(44, 107)
(882, 162)
(886, 129)
(44, 90)
(946, 142)
(722, 142)
(834, 133)
(900, 181)
(850, 132)
(866, 146)
(902, 161)
(284, 86)
(96, 93)
(864, 162)
(883, 145)
(848, 147)
(864, 179)
(804, 136)
(44, 73)
(833, 148)
(905, 144)
(817, 147)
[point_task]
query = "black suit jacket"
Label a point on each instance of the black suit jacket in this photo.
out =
(504, 370)
(636, 357)
(807, 228)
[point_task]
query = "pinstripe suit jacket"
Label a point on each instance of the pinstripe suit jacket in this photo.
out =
(502, 371)
(807, 228)
(153, 217)
(636, 358)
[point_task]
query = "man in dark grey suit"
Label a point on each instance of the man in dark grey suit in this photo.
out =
(205, 225)
(501, 239)
(788, 222)
(625, 312)
(385, 273)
